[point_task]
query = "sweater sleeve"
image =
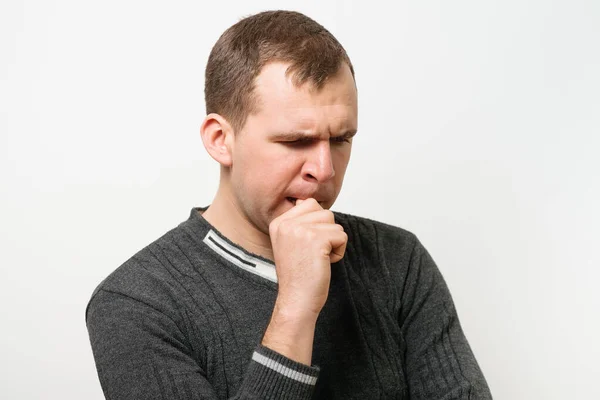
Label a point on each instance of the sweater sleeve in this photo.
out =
(439, 361)
(141, 353)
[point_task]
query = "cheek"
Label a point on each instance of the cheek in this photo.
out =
(278, 164)
(340, 162)
(265, 175)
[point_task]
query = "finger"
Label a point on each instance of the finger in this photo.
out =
(301, 207)
(316, 217)
(309, 203)
(336, 237)
(338, 242)
(326, 227)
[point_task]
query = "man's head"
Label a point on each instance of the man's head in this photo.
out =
(282, 107)
(239, 55)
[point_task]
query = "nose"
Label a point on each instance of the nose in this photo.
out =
(318, 166)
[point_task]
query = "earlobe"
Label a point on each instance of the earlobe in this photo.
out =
(217, 136)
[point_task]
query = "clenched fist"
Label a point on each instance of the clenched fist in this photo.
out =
(306, 241)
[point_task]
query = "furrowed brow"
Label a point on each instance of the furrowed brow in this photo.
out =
(291, 136)
(346, 134)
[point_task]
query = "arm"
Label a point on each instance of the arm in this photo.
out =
(305, 241)
(439, 361)
(141, 353)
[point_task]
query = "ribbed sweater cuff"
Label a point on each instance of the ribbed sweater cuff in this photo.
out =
(271, 375)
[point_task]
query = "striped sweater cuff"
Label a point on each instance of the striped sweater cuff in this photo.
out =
(271, 375)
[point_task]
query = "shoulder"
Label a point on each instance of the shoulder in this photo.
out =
(381, 235)
(149, 276)
(380, 250)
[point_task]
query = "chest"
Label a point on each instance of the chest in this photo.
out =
(358, 346)
(357, 343)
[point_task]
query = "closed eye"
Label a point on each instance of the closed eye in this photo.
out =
(299, 142)
(297, 139)
(340, 139)
(305, 142)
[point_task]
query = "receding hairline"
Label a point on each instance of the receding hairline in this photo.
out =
(312, 86)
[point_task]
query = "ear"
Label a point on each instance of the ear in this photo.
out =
(218, 138)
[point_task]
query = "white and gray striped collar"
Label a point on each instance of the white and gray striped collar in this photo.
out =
(238, 257)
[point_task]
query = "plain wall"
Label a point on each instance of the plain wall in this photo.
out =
(479, 128)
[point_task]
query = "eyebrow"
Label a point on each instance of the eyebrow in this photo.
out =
(295, 135)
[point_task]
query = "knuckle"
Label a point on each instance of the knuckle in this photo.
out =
(330, 215)
(313, 204)
(327, 216)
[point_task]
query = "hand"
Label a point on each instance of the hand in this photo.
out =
(305, 241)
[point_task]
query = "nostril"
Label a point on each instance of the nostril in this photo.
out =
(311, 177)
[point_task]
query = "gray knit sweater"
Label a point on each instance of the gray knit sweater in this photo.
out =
(184, 318)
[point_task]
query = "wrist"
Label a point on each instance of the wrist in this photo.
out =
(291, 333)
(292, 312)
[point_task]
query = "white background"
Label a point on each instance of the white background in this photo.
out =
(478, 131)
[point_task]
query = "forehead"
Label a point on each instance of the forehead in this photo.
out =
(280, 102)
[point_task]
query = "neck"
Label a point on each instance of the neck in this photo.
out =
(229, 220)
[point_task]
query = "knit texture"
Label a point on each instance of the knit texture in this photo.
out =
(184, 318)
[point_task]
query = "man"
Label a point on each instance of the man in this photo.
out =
(266, 294)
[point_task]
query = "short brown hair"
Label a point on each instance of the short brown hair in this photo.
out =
(245, 48)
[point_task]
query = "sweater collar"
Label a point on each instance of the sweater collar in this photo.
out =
(232, 252)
